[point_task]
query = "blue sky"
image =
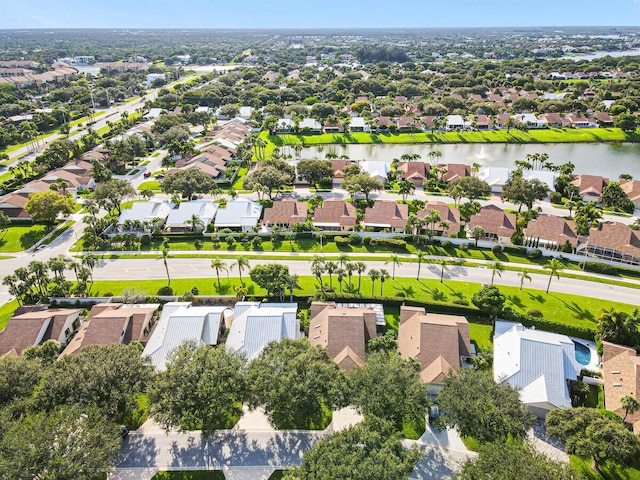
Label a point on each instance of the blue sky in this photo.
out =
(314, 13)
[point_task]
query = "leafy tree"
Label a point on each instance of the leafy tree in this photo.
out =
(361, 182)
(45, 353)
(473, 188)
(18, 377)
(272, 277)
(201, 389)
(593, 435)
(295, 382)
(489, 300)
(587, 216)
(105, 377)
(524, 192)
(613, 196)
(371, 450)
(479, 407)
(45, 206)
(5, 222)
(268, 178)
(627, 122)
(389, 387)
(618, 327)
(386, 343)
(554, 266)
(510, 461)
(187, 182)
(314, 171)
(67, 442)
(110, 194)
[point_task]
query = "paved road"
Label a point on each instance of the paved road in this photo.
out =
(120, 269)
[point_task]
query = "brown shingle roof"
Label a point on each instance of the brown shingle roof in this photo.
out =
(286, 212)
(590, 184)
(494, 221)
(436, 341)
(336, 211)
(552, 228)
(387, 214)
(338, 166)
(631, 188)
(415, 171)
(455, 171)
(621, 375)
(447, 214)
(616, 236)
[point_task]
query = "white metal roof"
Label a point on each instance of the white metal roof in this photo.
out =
(146, 211)
(239, 212)
(494, 175)
(181, 322)
(256, 324)
(538, 362)
(204, 209)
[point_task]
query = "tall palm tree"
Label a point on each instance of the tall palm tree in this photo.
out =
(383, 276)
(194, 222)
(554, 266)
(373, 275)
(405, 188)
(318, 267)
(523, 275)
(241, 264)
(361, 267)
(331, 267)
(164, 256)
(394, 260)
(350, 267)
(343, 258)
(443, 268)
(292, 282)
(340, 274)
(498, 268)
(219, 266)
(421, 256)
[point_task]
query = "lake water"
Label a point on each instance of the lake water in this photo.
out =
(606, 159)
(594, 55)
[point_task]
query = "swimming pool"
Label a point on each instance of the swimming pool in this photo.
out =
(583, 353)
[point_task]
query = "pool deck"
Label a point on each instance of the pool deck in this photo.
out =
(594, 364)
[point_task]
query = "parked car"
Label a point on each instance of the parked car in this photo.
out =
(147, 174)
(160, 176)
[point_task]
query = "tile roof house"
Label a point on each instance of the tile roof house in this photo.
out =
(631, 188)
(111, 323)
(181, 322)
(416, 172)
(335, 214)
(537, 362)
(590, 186)
(178, 217)
(612, 241)
(343, 331)
(386, 214)
(241, 213)
(285, 213)
(621, 375)
(578, 120)
(553, 119)
(255, 324)
(551, 231)
(13, 205)
(497, 224)
(36, 327)
(455, 171)
(603, 119)
(450, 215)
(436, 341)
(338, 166)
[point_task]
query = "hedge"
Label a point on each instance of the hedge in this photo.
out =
(603, 268)
(509, 313)
(389, 242)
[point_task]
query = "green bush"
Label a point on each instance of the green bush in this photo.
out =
(165, 291)
(534, 254)
(555, 197)
(198, 244)
(366, 240)
(145, 239)
(496, 249)
(517, 238)
(461, 301)
(389, 242)
(341, 240)
(195, 291)
(187, 297)
(597, 267)
(534, 313)
(354, 239)
(446, 244)
(515, 249)
(567, 247)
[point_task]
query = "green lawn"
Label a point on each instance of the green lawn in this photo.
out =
(237, 183)
(563, 309)
(609, 471)
(150, 185)
(194, 475)
(551, 135)
(6, 312)
(481, 335)
(18, 237)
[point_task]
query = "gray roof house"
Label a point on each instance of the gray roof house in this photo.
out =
(241, 213)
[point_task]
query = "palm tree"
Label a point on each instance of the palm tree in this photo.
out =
(523, 276)
(343, 258)
(241, 292)
(383, 276)
(554, 266)
(195, 222)
(571, 205)
(165, 255)
(350, 267)
(340, 273)
(405, 188)
(421, 256)
(373, 275)
(630, 405)
(318, 267)
(443, 268)
(330, 267)
(395, 260)
(241, 264)
(292, 282)
(219, 266)
(498, 268)
(361, 267)
(477, 233)
(147, 194)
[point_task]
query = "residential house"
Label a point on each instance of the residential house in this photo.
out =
(455, 122)
(378, 169)
(407, 124)
(553, 119)
(631, 188)
(36, 327)
(12, 205)
(285, 213)
(603, 119)
(545, 176)
(359, 124)
(497, 224)
(551, 231)
(255, 324)
(310, 125)
(141, 212)
(590, 186)
(449, 215)
(386, 215)
(179, 219)
(455, 171)
(181, 322)
(338, 167)
(335, 214)
(343, 330)
(530, 120)
(538, 363)
(502, 121)
(114, 323)
(332, 127)
(438, 342)
(416, 172)
(429, 122)
(382, 123)
(285, 125)
(482, 122)
(621, 375)
(496, 177)
(612, 241)
(578, 120)
(239, 214)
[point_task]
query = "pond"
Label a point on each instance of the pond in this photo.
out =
(606, 159)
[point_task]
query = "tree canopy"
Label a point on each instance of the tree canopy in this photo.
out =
(314, 171)
(110, 194)
(187, 182)
(489, 300)
(45, 206)
(521, 191)
(273, 277)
